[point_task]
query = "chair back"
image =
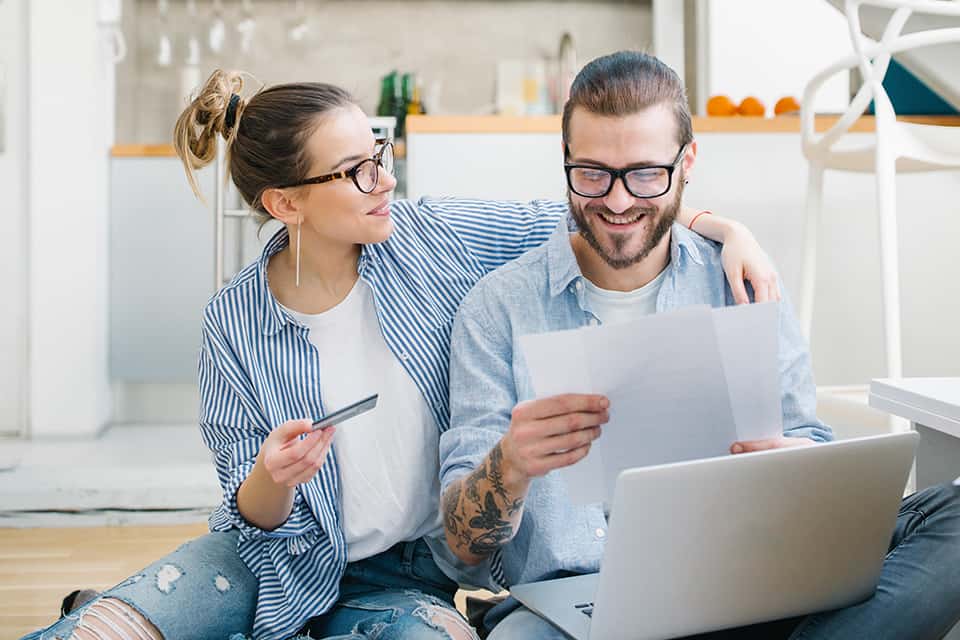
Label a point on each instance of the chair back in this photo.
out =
(872, 59)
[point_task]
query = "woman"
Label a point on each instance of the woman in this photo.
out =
(331, 536)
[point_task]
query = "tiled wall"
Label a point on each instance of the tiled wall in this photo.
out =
(454, 45)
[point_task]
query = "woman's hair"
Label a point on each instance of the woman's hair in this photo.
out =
(266, 135)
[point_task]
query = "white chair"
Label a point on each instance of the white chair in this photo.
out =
(894, 147)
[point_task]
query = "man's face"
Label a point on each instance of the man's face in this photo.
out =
(622, 228)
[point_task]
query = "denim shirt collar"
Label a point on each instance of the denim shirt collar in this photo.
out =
(562, 266)
(273, 316)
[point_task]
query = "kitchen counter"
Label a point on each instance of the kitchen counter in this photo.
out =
(142, 151)
(701, 124)
(551, 124)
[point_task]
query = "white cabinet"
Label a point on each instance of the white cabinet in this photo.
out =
(161, 270)
(502, 166)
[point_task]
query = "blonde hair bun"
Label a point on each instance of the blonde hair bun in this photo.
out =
(195, 134)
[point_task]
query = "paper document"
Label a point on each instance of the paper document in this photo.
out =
(682, 385)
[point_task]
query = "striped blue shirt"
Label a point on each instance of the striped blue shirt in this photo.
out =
(258, 369)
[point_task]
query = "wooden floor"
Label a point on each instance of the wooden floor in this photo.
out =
(40, 566)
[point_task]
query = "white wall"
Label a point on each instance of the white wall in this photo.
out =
(771, 48)
(13, 186)
(68, 172)
(761, 180)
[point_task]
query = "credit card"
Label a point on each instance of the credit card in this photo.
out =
(338, 416)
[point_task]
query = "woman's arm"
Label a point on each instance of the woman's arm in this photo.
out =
(494, 231)
(258, 469)
(743, 258)
(265, 498)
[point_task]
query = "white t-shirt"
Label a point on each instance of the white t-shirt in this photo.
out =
(388, 457)
(616, 307)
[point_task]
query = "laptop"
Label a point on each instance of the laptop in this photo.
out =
(726, 542)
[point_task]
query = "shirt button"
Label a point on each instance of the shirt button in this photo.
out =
(404, 356)
(579, 285)
(601, 534)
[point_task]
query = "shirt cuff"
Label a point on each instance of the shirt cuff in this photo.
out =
(300, 528)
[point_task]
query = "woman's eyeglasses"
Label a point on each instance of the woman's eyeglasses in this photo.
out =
(365, 174)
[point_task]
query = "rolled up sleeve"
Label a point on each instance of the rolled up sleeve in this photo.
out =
(482, 389)
(798, 392)
(230, 428)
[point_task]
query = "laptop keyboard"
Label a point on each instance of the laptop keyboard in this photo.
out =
(585, 608)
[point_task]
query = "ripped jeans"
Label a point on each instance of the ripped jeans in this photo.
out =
(204, 591)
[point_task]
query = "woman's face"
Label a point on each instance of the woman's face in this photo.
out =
(338, 210)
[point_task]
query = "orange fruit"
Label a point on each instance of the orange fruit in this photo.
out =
(721, 106)
(751, 106)
(786, 104)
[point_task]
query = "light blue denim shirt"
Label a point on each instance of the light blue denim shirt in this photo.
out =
(543, 291)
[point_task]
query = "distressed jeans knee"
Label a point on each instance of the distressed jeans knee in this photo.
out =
(202, 591)
(446, 621)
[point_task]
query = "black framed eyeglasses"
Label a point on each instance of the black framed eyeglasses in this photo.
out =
(365, 174)
(591, 181)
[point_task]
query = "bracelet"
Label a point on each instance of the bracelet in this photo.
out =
(690, 226)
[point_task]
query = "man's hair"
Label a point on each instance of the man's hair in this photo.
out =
(624, 83)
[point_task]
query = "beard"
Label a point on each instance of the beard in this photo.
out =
(658, 221)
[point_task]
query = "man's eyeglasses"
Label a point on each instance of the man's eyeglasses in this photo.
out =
(590, 181)
(365, 174)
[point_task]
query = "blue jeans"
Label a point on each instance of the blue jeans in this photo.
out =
(917, 598)
(204, 591)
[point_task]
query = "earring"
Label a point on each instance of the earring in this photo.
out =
(299, 221)
(686, 182)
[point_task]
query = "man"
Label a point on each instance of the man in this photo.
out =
(628, 151)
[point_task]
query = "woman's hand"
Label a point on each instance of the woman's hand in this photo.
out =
(289, 460)
(743, 259)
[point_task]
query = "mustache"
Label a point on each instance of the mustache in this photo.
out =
(601, 208)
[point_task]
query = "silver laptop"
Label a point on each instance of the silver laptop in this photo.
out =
(726, 542)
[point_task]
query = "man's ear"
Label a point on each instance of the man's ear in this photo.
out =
(282, 205)
(689, 159)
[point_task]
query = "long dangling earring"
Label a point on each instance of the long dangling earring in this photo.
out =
(299, 221)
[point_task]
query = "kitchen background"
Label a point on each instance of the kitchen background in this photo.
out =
(452, 45)
(108, 258)
(101, 326)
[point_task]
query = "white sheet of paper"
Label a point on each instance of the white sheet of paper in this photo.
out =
(562, 366)
(666, 376)
(749, 341)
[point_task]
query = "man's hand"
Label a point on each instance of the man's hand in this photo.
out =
(482, 510)
(748, 446)
(551, 433)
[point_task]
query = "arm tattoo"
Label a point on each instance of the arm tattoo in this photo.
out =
(472, 480)
(495, 473)
(495, 530)
(452, 520)
(474, 506)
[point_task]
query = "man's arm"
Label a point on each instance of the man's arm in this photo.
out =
(496, 446)
(482, 510)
